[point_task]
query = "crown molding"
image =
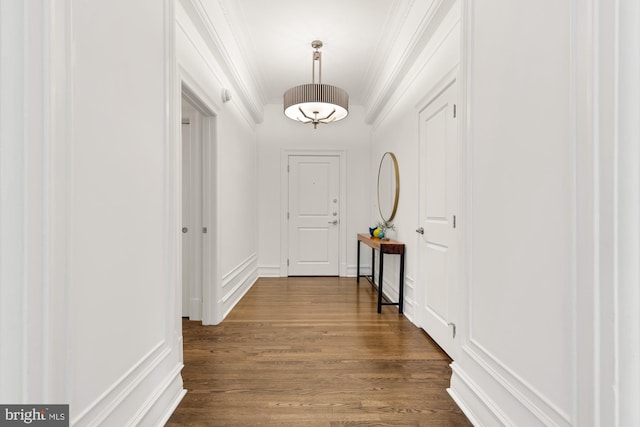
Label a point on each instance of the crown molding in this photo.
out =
(411, 38)
(212, 23)
(387, 42)
(233, 14)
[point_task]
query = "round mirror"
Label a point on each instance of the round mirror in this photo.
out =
(388, 186)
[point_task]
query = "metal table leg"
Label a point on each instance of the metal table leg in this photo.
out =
(358, 265)
(380, 283)
(373, 264)
(401, 301)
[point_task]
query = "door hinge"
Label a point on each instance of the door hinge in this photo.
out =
(454, 111)
(287, 262)
(287, 215)
(453, 326)
(454, 221)
(288, 168)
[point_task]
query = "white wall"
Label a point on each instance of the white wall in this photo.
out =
(521, 283)
(90, 218)
(628, 212)
(278, 133)
(122, 301)
(238, 201)
(232, 213)
(93, 284)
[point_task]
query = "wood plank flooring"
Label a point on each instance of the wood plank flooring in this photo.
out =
(313, 352)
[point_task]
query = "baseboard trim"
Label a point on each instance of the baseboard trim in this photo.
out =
(238, 281)
(249, 263)
(172, 406)
(487, 396)
(472, 401)
(123, 400)
(163, 403)
(269, 271)
(238, 278)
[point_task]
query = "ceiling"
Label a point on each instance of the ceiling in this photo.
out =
(274, 38)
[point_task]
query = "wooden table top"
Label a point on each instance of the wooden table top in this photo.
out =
(386, 246)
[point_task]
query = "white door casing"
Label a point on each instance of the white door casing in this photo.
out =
(313, 215)
(438, 246)
(202, 112)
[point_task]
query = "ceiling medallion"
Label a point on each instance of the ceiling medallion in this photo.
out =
(316, 102)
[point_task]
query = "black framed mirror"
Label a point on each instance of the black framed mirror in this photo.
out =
(388, 186)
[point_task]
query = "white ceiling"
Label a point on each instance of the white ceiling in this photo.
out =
(274, 37)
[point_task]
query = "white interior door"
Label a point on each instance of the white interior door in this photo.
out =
(186, 220)
(192, 218)
(438, 249)
(314, 220)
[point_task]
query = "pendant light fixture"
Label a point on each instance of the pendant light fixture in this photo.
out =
(316, 102)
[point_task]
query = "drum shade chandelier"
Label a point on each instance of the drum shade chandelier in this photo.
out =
(316, 102)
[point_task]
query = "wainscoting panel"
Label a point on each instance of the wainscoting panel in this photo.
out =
(237, 282)
(138, 394)
(516, 397)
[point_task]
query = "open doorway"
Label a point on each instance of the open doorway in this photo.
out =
(198, 209)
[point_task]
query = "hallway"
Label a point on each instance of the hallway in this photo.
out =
(313, 352)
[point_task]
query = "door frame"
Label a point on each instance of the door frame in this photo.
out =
(284, 205)
(211, 313)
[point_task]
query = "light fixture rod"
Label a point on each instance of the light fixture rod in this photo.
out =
(317, 56)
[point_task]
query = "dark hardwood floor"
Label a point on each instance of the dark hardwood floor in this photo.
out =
(313, 352)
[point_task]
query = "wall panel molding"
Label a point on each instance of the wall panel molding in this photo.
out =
(164, 400)
(35, 117)
(476, 405)
(237, 282)
(409, 309)
(516, 391)
(136, 389)
(495, 380)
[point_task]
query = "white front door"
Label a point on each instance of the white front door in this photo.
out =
(314, 220)
(438, 248)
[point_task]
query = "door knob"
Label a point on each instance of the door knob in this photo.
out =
(420, 230)
(334, 222)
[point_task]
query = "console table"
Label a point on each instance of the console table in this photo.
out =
(390, 247)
